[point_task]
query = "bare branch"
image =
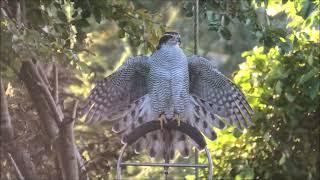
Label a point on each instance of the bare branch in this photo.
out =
(83, 175)
(55, 83)
(43, 75)
(19, 174)
(82, 169)
(75, 107)
(5, 122)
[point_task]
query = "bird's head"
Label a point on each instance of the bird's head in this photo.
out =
(169, 38)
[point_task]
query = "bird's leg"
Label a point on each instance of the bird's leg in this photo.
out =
(177, 117)
(162, 119)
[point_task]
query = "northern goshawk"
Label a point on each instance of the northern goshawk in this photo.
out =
(167, 86)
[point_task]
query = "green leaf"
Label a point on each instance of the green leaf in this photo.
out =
(236, 133)
(75, 14)
(85, 14)
(225, 33)
(122, 24)
(46, 3)
(290, 97)
(62, 16)
(305, 77)
(80, 23)
(226, 20)
(97, 15)
(83, 66)
(37, 17)
(306, 8)
(57, 5)
(246, 173)
(310, 59)
(282, 159)
(278, 87)
(315, 89)
(121, 33)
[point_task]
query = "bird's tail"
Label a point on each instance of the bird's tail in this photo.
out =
(163, 143)
(159, 143)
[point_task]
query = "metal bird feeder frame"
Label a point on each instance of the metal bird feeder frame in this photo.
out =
(187, 129)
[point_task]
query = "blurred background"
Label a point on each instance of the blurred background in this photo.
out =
(270, 49)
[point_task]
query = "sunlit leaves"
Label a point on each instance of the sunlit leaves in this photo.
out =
(281, 81)
(290, 89)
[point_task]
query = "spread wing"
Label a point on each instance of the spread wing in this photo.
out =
(113, 94)
(212, 86)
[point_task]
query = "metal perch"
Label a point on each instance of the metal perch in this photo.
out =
(187, 129)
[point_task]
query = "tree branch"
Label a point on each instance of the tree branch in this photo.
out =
(29, 75)
(13, 162)
(55, 83)
(43, 75)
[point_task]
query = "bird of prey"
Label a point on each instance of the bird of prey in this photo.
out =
(167, 86)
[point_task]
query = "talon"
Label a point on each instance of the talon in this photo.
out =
(177, 118)
(162, 119)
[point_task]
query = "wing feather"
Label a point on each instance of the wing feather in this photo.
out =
(113, 94)
(209, 84)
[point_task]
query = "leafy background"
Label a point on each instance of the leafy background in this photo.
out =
(269, 48)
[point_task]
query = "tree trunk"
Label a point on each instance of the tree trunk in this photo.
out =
(66, 152)
(20, 156)
(58, 126)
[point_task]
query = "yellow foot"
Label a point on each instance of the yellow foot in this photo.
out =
(162, 119)
(177, 118)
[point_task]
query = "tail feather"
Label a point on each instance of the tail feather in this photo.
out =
(136, 113)
(181, 144)
(154, 143)
(201, 116)
(164, 143)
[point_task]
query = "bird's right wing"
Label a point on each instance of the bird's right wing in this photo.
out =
(117, 91)
(217, 91)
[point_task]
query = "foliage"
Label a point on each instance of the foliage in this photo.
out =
(59, 28)
(281, 80)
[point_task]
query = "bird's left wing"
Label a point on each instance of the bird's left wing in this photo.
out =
(113, 94)
(218, 92)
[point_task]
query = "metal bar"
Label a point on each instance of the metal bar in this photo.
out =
(196, 44)
(210, 168)
(196, 161)
(166, 165)
(196, 27)
(119, 162)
